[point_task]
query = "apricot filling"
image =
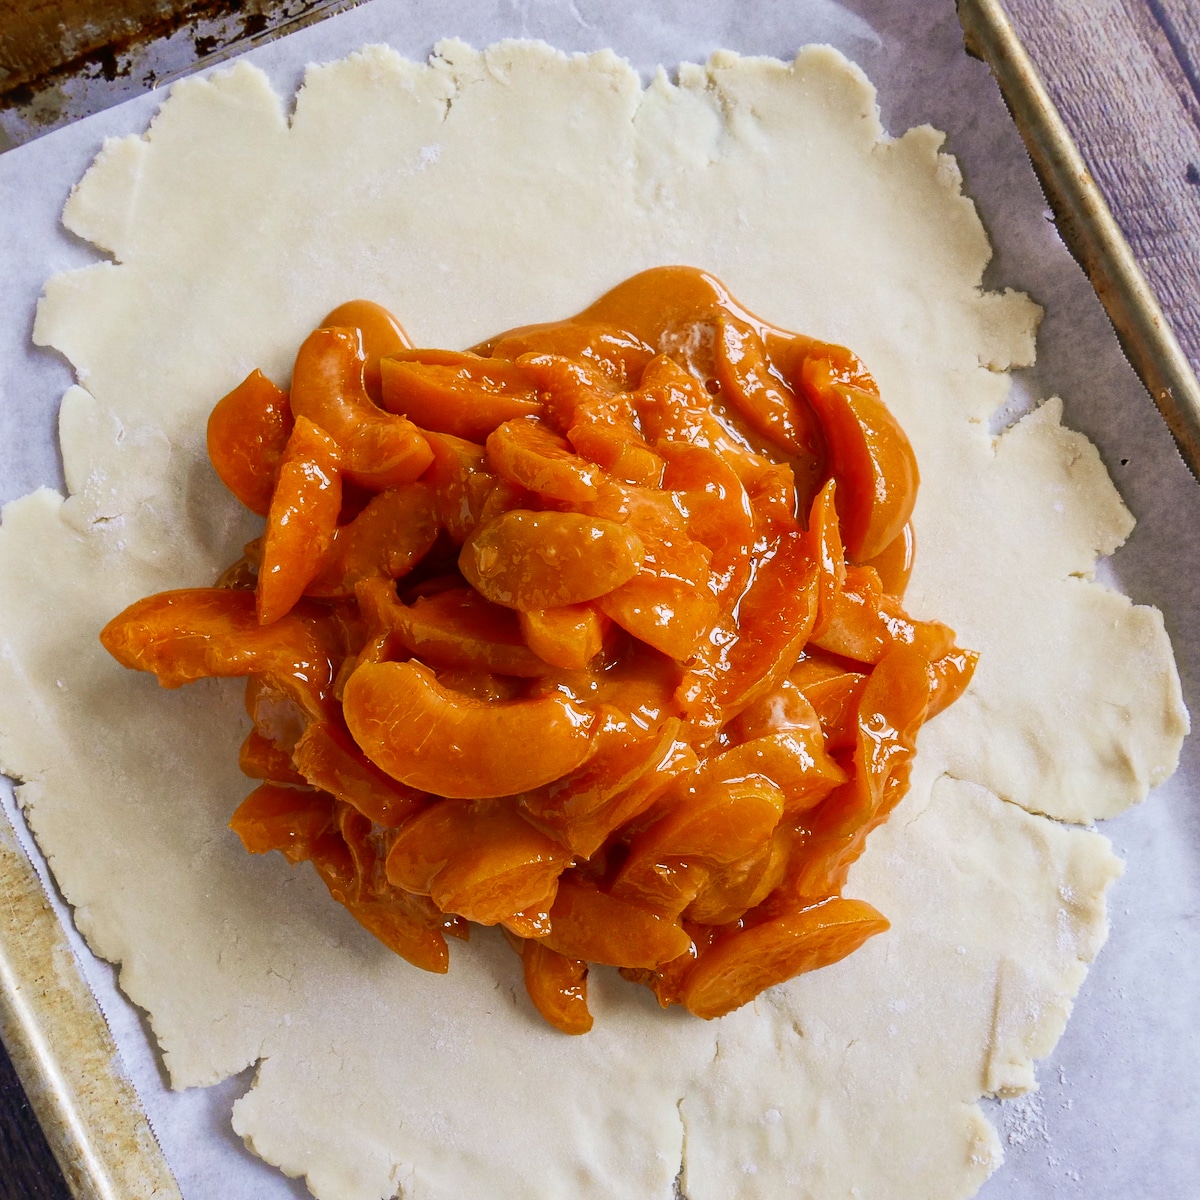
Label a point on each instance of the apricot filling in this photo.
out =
(592, 632)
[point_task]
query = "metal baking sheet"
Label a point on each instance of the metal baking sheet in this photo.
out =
(1088, 227)
(63, 61)
(1120, 1095)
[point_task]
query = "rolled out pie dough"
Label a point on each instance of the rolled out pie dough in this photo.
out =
(470, 194)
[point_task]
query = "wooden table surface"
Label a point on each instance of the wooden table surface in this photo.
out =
(1125, 74)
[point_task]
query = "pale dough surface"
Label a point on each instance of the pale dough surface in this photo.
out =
(470, 194)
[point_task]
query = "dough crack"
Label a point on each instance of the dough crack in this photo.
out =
(1028, 806)
(680, 1185)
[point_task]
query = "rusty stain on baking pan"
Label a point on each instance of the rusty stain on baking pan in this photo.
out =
(1088, 226)
(62, 61)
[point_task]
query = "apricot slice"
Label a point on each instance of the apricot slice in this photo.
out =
(598, 422)
(557, 985)
(588, 924)
(407, 925)
(380, 450)
(503, 496)
(459, 628)
(393, 533)
(617, 446)
(566, 386)
(759, 394)
(261, 758)
(379, 332)
(871, 457)
(893, 706)
(460, 394)
(614, 351)
(642, 684)
(673, 761)
(825, 543)
(865, 624)
(773, 501)
(894, 563)
(834, 692)
(402, 931)
(194, 633)
(716, 510)
(775, 619)
(568, 637)
(528, 454)
(572, 809)
(793, 759)
(247, 434)
(714, 822)
(461, 481)
(538, 560)
(652, 513)
(782, 737)
(784, 710)
(329, 760)
(730, 890)
(951, 676)
(743, 963)
(481, 861)
(746, 658)
(452, 745)
(301, 521)
(533, 921)
(665, 612)
(280, 818)
(671, 603)
(672, 406)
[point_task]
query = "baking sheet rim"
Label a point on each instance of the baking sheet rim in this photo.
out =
(90, 1112)
(1087, 226)
(88, 1108)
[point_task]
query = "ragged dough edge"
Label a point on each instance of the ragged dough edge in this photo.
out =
(1040, 495)
(521, 1083)
(1004, 311)
(114, 174)
(935, 861)
(736, 117)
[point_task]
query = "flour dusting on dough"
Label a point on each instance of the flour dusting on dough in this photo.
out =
(232, 230)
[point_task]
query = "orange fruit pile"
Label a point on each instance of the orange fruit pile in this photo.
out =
(593, 632)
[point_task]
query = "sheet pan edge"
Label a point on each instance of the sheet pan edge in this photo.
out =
(1088, 226)
(63, 1052)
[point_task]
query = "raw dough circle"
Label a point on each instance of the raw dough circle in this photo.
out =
(472, 194)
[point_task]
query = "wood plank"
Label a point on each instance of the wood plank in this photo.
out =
(1116, 76)
(1180, 23)
(27, 1168)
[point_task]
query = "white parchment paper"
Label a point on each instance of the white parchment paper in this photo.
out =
(1118, 1111)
